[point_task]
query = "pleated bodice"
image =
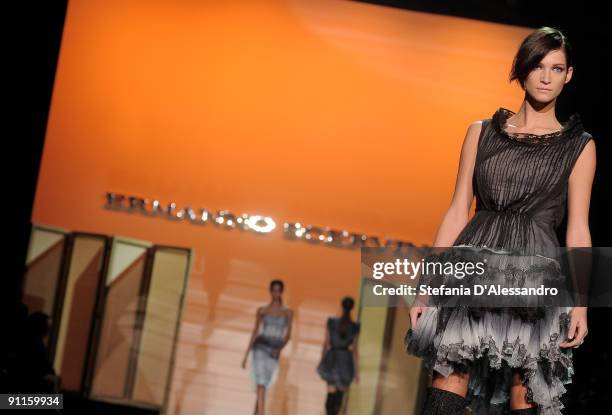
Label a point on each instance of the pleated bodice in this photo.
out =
(520, 183)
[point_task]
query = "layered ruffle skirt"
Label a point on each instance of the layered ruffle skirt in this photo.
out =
(490, 345)
(337, 367)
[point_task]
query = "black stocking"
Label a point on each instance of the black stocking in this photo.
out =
(338, 401)
(329, 403)
(525, 411)
(333, 402)
(443, 402)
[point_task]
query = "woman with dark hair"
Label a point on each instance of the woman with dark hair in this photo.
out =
(339, 360)
(267, 342)
(525, 169)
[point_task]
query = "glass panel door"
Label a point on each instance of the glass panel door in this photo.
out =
(154, 356)
(43, 269)
(78, 292)
(391, 381)
(118, 315)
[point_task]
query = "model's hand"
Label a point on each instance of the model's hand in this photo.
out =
(276, 352)
(356, 379)
(244, 362)
(578, 327)
(415, 313)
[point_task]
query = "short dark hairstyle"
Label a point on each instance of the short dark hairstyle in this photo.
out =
(277, 282)
(534, 48)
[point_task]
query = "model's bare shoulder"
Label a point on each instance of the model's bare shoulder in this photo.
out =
(475, 127)
(585, 162)
(472, 135)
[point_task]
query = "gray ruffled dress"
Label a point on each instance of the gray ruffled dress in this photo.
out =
(520, 182)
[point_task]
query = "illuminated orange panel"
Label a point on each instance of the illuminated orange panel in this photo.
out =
(329, 113)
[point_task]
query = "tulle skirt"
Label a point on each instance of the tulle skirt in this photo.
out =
(490, 345)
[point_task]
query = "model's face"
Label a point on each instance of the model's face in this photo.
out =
(276, 291)
(546, 80)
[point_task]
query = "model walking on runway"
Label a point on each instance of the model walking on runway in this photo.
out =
(340, 357)
(268, 341)
(527, 171)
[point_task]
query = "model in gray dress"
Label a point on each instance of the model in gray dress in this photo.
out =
(521, 187)
(271, 333)
(264, 351)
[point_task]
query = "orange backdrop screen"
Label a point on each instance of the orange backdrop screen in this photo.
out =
(330, 113)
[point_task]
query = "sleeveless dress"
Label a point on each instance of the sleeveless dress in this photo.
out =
(264, 364)
(520, 183)
(337, 366)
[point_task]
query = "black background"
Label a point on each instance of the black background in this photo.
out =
(34, 38)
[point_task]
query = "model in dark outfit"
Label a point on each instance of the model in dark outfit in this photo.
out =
(520, 183)
(339, 360)
(489, 357)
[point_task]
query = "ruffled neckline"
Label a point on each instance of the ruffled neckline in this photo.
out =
(569, 128)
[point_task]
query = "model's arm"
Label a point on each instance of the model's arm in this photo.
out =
(579, 198)
(258, 316)
(356, 356)
(456, 216)
(578, 233)
(327, 341)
